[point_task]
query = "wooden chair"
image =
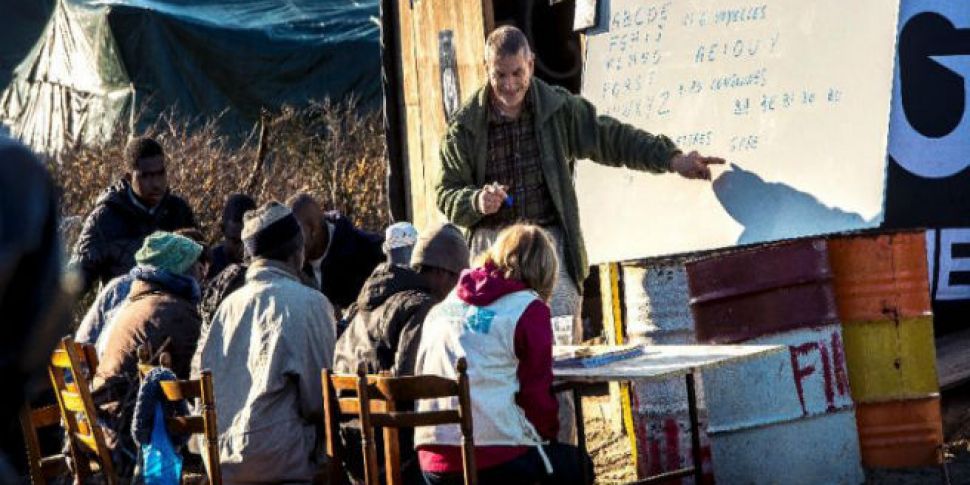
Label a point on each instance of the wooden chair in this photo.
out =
(84, 435)
(373, 399)
(42, 468)
(202, 424)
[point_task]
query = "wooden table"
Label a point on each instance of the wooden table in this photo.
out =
(658, 363)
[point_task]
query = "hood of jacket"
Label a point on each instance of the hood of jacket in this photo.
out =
(483, 285)
(386, 281)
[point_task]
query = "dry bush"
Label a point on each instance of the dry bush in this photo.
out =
(329, 149)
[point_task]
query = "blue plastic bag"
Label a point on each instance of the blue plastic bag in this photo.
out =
(162, 465)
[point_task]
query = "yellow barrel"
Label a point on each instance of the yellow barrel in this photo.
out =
(890, 359)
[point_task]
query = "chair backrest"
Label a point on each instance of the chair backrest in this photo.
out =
(374, 398)
(42, 468)
(76, 406)
(204, 423)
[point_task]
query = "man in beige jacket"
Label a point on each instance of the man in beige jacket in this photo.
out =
(266, 346)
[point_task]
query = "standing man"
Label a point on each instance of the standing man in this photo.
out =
(138, 205)
(510, 152)
(339, 257)
(266, 346)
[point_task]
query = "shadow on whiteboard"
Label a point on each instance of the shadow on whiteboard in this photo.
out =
(771, 211)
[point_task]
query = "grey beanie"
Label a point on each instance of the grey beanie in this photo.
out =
(441, 246)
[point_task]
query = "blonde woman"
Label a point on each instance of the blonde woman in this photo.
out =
(498, 318)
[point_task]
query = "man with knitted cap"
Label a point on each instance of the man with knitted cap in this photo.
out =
(160, 312)
(385, 329)
(266, 346)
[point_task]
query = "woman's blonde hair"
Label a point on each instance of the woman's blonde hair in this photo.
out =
(525, 252)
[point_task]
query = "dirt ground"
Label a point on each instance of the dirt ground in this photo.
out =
(610, 448)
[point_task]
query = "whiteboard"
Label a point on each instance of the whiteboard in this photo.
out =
(794, 94)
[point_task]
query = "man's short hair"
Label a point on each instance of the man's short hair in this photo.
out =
(301, 200)
(506, 41)
(236, 206)
(139, 148)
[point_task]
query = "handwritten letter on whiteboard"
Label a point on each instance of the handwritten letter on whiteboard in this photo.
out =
(794, 94)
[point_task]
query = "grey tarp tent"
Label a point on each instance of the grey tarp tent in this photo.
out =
(99, 61)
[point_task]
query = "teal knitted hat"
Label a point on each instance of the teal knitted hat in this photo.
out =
(168, 251)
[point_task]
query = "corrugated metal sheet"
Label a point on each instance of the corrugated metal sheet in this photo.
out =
(891, 359)
(808, 380)
(899, 434)
(745, 294)
(822, 449)
(880, 276)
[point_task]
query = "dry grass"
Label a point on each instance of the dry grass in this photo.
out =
(328, 149)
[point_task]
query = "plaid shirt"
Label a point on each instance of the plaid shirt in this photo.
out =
(514, 161)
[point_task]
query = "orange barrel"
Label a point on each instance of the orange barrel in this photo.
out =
(657, 311)
(905, 433)
(880, 276)
(882, 293)
(787, 417)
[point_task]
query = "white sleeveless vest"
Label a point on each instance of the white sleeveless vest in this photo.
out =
(485, 336)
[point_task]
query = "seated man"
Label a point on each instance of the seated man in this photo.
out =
(266, 346)
(385, 328)
(160, 313)
(125, 214)
(99, 319)
(399, 241)
(230, 250)
(339, 257)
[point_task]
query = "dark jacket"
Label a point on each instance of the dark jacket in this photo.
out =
(568, 129)
(386, 327)
(351, 257)
(385, 330)
(34, 305)
(219, 287)
(116, 228)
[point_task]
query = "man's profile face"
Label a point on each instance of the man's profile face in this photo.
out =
(509, 78)
(232, 232)
(149, 181)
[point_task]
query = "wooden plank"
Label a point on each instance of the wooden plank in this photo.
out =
(185, 425)
(45, 416)
(953, 359)
(88, 441)
(411, 97)
(405, 419)
(178, 390)
(425, 67)
(72, 401)
(60, 359)
(412, 388)
(422, 79)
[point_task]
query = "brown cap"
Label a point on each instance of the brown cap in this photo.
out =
(443, 247)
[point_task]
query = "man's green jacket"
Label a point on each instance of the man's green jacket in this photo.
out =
(567, 128)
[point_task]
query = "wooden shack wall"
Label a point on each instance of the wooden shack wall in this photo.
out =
(421, 23)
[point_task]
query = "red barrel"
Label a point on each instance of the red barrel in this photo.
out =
(770, 289)
(785, 418)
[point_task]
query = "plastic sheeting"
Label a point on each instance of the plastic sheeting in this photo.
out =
(101, 62)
